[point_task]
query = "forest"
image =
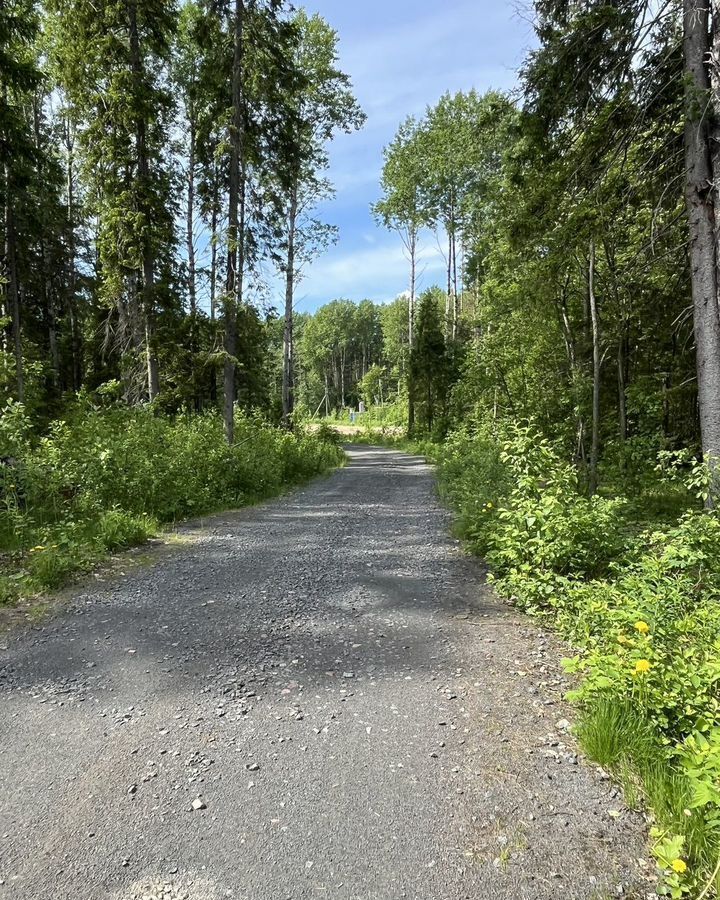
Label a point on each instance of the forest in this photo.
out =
(161, 170)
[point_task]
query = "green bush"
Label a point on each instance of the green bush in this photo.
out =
(642, 607)
(102, 480)
(520, 508)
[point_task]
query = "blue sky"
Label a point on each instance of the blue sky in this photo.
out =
(401, 55)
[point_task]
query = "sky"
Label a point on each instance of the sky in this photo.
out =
(401, 55)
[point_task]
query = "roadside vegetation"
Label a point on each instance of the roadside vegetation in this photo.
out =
(152, 186)
(632, 581)
(101, 480)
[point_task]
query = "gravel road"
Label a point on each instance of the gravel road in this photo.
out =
(327, 679)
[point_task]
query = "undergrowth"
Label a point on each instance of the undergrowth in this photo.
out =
(103, 480)
(638, 596)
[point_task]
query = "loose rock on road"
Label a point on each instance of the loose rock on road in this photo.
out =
(317, 697)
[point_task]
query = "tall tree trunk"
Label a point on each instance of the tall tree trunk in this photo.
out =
(702, 228)
(456, 296)
(412, 246)
(50, 310)
(213, 279)
(47, 294)
(575, 374)
(597, 362)
(235, 261)
(288, 399)
(667, 387)
(412, 249)
(12, 288)
(148, 255)
(622, 387)
(448, 300)
(72, 310)
(713, 122)
(342, 379)
(190, 246)
(53, 344)
(190, 219)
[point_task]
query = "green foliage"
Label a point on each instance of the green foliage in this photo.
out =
(118, 530)
(519, 506)
(429, 366)
(615, 735)
(642, 607)
(102, 480)
(336, 348)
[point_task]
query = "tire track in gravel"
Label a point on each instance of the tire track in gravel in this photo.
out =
(328, 677)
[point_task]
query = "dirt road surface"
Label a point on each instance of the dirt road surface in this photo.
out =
(328, 681)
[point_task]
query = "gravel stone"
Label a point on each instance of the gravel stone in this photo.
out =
(399, 714)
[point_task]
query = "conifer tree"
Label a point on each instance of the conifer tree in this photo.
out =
(112, 58)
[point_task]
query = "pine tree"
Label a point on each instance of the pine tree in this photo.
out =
(18, 76)
(429, 364)
(112, 58)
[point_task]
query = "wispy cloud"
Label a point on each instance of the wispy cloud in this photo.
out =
(402, 55)
(378, 273)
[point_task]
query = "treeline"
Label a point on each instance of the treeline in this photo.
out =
(347, 353)
(570, 297)
(160, 163)
(352, 353)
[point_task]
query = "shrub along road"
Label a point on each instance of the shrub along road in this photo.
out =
(316, 697)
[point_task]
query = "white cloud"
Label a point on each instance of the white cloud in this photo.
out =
(401, 55)
(379, 273)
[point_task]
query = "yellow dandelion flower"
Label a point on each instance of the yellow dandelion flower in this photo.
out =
(642, 666)
(679, 866)
(642, 627)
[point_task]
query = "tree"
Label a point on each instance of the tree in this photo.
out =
(18, 75)
(318, 103)
(634, 67)
(112, 59)
(404, 204)
(429, 364)
(702, 193)
(404, 207)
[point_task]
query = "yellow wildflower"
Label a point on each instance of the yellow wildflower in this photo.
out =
(642, 666)
(642, 627)
(679, 866)
(37, 549)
